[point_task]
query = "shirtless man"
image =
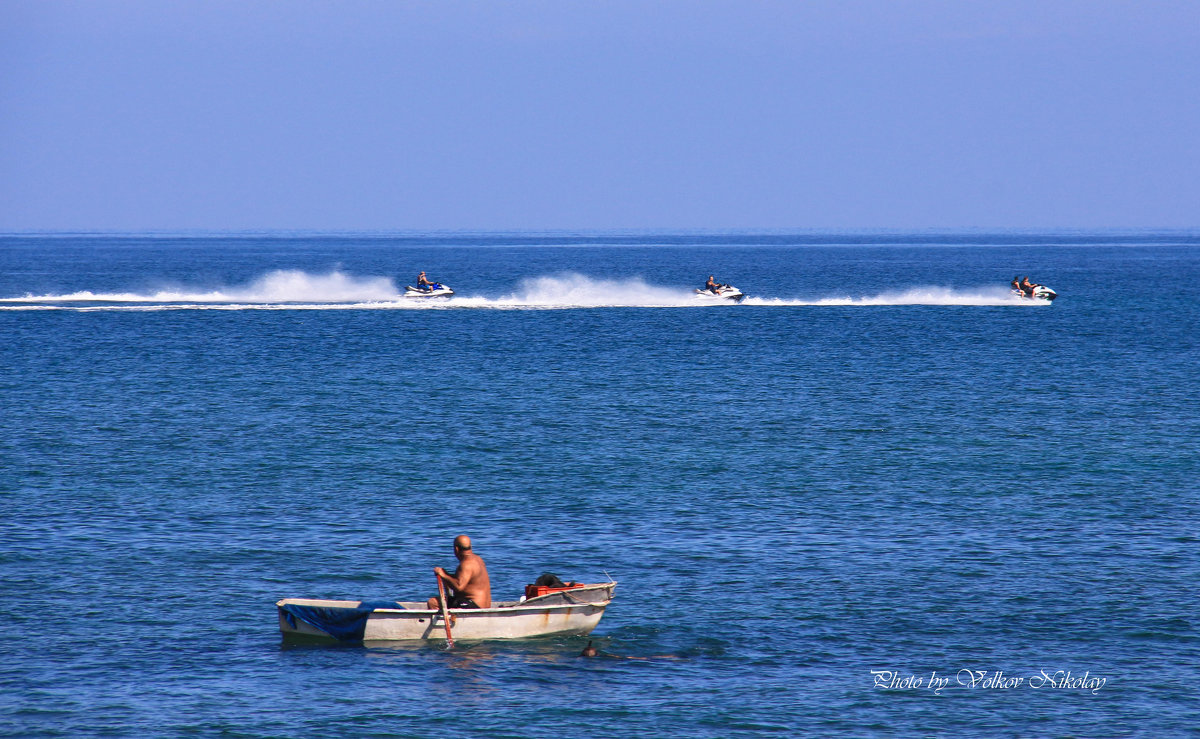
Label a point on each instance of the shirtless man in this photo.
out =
(469, 585)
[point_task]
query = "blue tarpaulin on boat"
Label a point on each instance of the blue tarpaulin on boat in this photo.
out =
(346, 624)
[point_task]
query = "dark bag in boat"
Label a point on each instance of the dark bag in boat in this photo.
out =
(550, 580)
(548, 583)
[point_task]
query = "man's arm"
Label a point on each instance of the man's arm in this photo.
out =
(460, 579)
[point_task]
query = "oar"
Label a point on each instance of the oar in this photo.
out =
(445, 611)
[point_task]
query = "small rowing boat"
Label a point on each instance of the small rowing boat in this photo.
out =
(571, 610)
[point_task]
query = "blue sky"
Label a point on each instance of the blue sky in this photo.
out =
(393, 115)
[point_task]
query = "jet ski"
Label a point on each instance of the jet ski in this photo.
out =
(436, 290)
(724, 294)
(1040, 292)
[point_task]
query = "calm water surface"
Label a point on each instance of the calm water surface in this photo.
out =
(878, 463)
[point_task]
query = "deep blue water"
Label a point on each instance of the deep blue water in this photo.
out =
(877, 462)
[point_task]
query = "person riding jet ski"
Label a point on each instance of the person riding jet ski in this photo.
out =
(427, 288)
(1032, 290)
(714, 289)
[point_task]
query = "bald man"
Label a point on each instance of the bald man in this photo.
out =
(469, 585)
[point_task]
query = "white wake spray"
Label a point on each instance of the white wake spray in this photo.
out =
(278, 286)
(578, 291)
(299, 290)
(999, 296)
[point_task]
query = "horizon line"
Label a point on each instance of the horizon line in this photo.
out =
(611, 232)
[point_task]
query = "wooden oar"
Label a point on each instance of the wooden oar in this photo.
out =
(445, 611)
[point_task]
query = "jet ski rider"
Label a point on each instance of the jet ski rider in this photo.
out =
(1027, 286)
(423, 283)
(712, 286)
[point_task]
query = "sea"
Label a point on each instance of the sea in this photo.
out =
(879, 497)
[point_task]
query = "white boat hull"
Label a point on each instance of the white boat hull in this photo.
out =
(438, 291)
(727, 294)
(1040, 292)
(572, 612)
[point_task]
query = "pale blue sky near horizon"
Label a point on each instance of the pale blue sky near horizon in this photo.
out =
(369, 115)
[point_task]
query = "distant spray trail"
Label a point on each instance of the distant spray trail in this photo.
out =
(299, 290)
(995, 296)
(278, 286)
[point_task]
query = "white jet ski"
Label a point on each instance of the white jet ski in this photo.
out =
(724, 294)
(1040, 292)
(436, 290)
